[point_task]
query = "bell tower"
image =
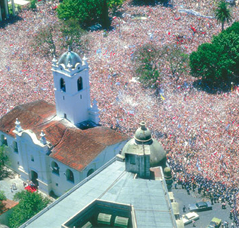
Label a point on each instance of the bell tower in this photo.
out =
(72, 89)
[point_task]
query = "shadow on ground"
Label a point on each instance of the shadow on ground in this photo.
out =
(9, 21)
(6, 173)
(212, 88)
(165, 3)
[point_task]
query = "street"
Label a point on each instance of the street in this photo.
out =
(205, 217)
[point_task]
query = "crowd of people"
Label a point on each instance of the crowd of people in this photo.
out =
(199, 130)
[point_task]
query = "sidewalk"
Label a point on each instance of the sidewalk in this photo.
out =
(21, 2)
(6, 184)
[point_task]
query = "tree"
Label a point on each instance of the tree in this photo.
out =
(33, 4)
(203, 62)
(2, 205)
(218, 61)
(44, 42)
(176, 58)
(146, 60)
(223, 13)
(29, 205)
(105, 20)
(3, 159)
(71, 33)
(87, 12)
(60, 35)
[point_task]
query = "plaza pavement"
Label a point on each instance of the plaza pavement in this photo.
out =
(205, 217)
(6, 184)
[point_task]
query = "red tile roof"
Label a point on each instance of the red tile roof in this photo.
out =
(71, 146)
(9, 204)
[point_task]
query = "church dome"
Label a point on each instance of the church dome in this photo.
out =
(143, 137)
(70, 59)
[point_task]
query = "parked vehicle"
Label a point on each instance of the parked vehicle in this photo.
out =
(200, 206)
(215, 223)
(189, 217)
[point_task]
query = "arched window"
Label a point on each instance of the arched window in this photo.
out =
(63, 85)
(4, 140)
(79, 84)
(69, 175)
(55, 168)
(90, 172)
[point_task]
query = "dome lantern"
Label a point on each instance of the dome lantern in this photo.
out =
(70, 59)
(142, 134)
(143, 138)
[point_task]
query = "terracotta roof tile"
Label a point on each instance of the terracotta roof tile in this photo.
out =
(9, 204)
(71, 145)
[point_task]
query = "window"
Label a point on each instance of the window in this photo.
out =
(69, 175)
(32, 158)
(63, 85)
(4, 140)
(55, 168)
(80, 96)
(63, 97)
(15, 147)
(79, 84)
(90, 172)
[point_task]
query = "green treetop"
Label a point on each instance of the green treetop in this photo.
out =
(223, 13)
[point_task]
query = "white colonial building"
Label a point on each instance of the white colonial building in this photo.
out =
(57, 146)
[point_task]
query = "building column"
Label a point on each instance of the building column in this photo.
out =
(6, 9)
(13, 8)
(0, 13)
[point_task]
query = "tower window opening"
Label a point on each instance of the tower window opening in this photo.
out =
(63, 85)
(80, 96)
(79, 84)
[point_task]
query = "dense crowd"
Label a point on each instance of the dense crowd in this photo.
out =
(199, 130)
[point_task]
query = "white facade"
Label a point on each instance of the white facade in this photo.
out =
(32, 161)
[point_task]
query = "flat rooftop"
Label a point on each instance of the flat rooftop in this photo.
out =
(111, 183)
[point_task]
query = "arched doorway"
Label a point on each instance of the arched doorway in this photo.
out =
(34, 177)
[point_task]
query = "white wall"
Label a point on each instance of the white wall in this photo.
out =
(73, 103)
(13, 162)
(59, 183)
(29, 147)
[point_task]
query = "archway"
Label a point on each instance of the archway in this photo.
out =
(62, 85)
(90, 172)
(79, 84)
(69, 175)
(34, 177)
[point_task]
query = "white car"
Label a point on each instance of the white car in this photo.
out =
(189, 217)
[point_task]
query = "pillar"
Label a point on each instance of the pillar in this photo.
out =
(13, 8)
(0, 13)
(6, 9)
